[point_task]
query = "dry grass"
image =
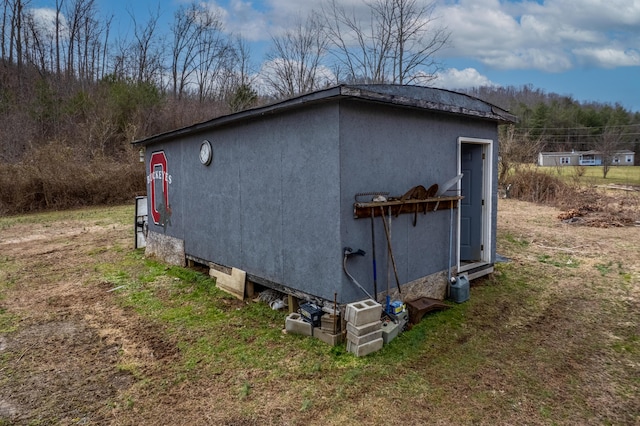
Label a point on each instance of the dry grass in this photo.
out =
(57, 176)
(581, 204)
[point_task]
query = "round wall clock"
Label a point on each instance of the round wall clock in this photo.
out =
(206, 152)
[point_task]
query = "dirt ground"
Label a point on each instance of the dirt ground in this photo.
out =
(72, 333)
(65, 357)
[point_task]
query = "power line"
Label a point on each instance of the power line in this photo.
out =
(564, 135)
(579, 128)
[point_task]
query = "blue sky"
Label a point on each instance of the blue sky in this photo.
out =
(587, 49)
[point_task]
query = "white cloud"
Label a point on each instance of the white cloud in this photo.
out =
(45, 21)
(550, 60)
(608, 57)
(553, 36)
(240, 17)
(453, 78)
(596, 15)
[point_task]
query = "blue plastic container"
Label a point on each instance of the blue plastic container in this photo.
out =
(459, 291)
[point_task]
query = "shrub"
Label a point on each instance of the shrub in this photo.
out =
(57, 176)
(537, 187)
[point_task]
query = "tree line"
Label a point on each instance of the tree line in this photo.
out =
(385, 41)
(67, 62)
(558, 123)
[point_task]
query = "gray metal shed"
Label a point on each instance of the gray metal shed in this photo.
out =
(275, 198)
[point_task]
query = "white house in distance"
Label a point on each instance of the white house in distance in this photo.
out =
(584, 158)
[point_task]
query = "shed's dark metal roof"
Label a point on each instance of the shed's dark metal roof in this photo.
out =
(426, 98)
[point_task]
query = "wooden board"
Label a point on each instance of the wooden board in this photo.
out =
(233, 283)
(363, 210)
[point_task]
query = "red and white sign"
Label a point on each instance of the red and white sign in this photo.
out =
(158, 180)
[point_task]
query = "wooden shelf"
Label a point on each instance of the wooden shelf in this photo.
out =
(398, 207)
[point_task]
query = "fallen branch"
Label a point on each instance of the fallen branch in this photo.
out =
(620, 187)
(24, 353)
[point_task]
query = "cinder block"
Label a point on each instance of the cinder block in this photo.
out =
(328, 321)
(294, 324)
(364, 329)
(365, 349)
(366, 338)
(390, 331)
(360, 313)
(327, 337)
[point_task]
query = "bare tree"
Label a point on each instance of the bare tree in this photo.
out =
(3, 29)
(142, 59)
(199, 51)
(396, 44)
(76, 39)
(58, 28)
(238, 82)
(16, 47)
(105, 48)
(359, 50)
(242, 58)
(54, 47)
(75, 14)
(86, 41)
(35, 43)
(186, 33)
(16, 31)
(608, 143)
(293, 63)
(417, 40)
(515, 150)
(215, 56)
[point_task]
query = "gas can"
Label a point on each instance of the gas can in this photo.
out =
(459, 290)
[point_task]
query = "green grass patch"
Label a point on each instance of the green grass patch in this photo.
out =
(216, 333)
(560, 261)
(8, 273)
(8, 321)
(245, 390)
(604, 269)
(622, 175)
(88, 216)
(628, 345)
(8, 277)
(306, 404)
(516, 241)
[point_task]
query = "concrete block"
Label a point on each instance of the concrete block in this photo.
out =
(365, 338)
(364, 312)
(365, 328)
(169, 249)
(328, 337)
(390, 331)
(294, 324)
(365, 349)
(328, 321)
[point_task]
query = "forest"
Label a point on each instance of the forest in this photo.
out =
(74, 95)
